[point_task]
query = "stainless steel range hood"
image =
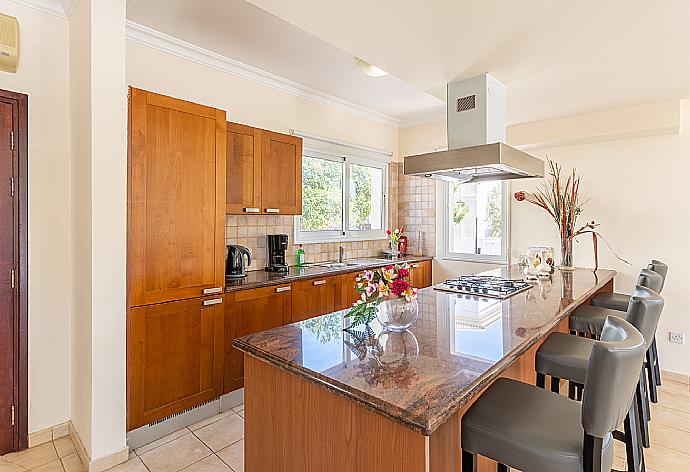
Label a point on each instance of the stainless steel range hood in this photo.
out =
(476, 139)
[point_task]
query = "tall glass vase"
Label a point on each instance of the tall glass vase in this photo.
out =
(566, 253)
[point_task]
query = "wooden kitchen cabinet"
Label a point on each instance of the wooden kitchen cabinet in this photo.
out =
(175, 357)
(176, 204)
(281, 174)
(314, 297)
(264, 172)
(421, 274)
(247, 312)
(347, 293)
(243, 178)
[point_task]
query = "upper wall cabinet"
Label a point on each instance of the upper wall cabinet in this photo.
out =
(264, 172)
(176, 217)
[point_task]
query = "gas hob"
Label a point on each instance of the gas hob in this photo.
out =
(484, 286)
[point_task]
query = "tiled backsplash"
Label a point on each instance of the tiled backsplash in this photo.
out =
(411, 204)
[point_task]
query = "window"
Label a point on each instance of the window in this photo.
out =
(476, 221)
(342, 197)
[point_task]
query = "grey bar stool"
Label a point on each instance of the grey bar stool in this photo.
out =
(589, 319)
(563, 356)
(522, 426)
(618, 301)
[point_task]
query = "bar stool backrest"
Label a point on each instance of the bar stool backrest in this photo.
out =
(661, 269)
(644, 311)
(650, 279)
(612, 375)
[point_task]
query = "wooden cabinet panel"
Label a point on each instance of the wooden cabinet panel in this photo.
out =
(420, 274)
(175, 357)
(176, 217)
(347, 293)
(247, 312)
(312, 298)
(243, 182)
(281, 174)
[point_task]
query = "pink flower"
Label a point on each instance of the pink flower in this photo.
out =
(399, 286)
(403, 273)
(388, 232)
(389, 267)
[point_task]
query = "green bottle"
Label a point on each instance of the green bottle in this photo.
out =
(300, 256)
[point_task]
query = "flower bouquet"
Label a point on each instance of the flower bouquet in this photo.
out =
(388, 294)
(394, 238)
(563, 203)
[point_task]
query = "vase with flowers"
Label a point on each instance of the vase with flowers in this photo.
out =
(394, 241)
(562, 201)
(385, 294)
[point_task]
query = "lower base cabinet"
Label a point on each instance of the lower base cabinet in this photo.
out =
(420, 274)
(312, 298)
(247, 312)
(175, 357)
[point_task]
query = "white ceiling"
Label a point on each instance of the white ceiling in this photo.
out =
(241, 31)
(556, 58)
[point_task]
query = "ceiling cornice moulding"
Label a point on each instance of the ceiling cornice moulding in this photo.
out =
(155, 39)
(423, 118)
(52, 7)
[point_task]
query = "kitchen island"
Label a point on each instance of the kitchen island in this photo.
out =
(320, 398)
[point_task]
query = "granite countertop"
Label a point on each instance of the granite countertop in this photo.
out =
(262, 278)
(421, 377)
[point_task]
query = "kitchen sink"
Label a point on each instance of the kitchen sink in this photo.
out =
(338, 264)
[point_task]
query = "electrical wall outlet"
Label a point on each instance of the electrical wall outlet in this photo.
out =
(676, 337)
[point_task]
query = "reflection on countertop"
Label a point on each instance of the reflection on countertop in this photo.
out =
(419, 378)
(262, 278)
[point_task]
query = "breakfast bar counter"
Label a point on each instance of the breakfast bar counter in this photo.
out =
(322, 396)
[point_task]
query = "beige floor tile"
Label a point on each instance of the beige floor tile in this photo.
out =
(210, 464)
(669, 437)
(176, 455)
(72, 463)
(233, 455)
(159, 442)
(64, 446)
(669, 417)
(34, 457)
(667, 460)
(238, 408)
(55, 466)
(210, 420)
(674, 401)
(222, 433)
(9, 467)
(132, 465)
(675, 387)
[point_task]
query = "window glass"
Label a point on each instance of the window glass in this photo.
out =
(322, 195)
(476, 219)
(366, 198)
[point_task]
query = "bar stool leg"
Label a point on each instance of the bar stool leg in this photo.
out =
(640, 400)
(651, 377)
(541, 380)
(592, 454)
(655, 358)
(633, 448)
(469, 462)
(572, 390)
(555, 384)
(502, 468)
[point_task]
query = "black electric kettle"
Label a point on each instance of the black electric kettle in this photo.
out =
(234, 261)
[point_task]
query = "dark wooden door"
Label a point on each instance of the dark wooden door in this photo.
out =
(312, 298)
(7, 281)
(243, 185)
(248, 312)
(175, 357)
(281, 174)
(176, 225)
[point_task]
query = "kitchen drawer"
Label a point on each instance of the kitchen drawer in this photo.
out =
(313, 297)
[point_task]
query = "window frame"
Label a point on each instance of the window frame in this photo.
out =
(504, 258)
(346, 234)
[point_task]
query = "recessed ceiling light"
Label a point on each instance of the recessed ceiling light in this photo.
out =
(369, 69)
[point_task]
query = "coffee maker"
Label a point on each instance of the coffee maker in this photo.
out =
(277, 245)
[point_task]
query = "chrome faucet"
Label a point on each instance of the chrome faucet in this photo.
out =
(341, 251)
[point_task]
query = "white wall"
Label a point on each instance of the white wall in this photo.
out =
(249, 102)
(638, 188)
(43, 75)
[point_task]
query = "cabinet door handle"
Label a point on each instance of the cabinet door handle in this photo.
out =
(213, 301)
(272, 210)
(414, 266)
(250, 210)
(283, 289)
(212, 290)
(319, 282)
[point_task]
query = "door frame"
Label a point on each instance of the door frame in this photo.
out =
(20, 105)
